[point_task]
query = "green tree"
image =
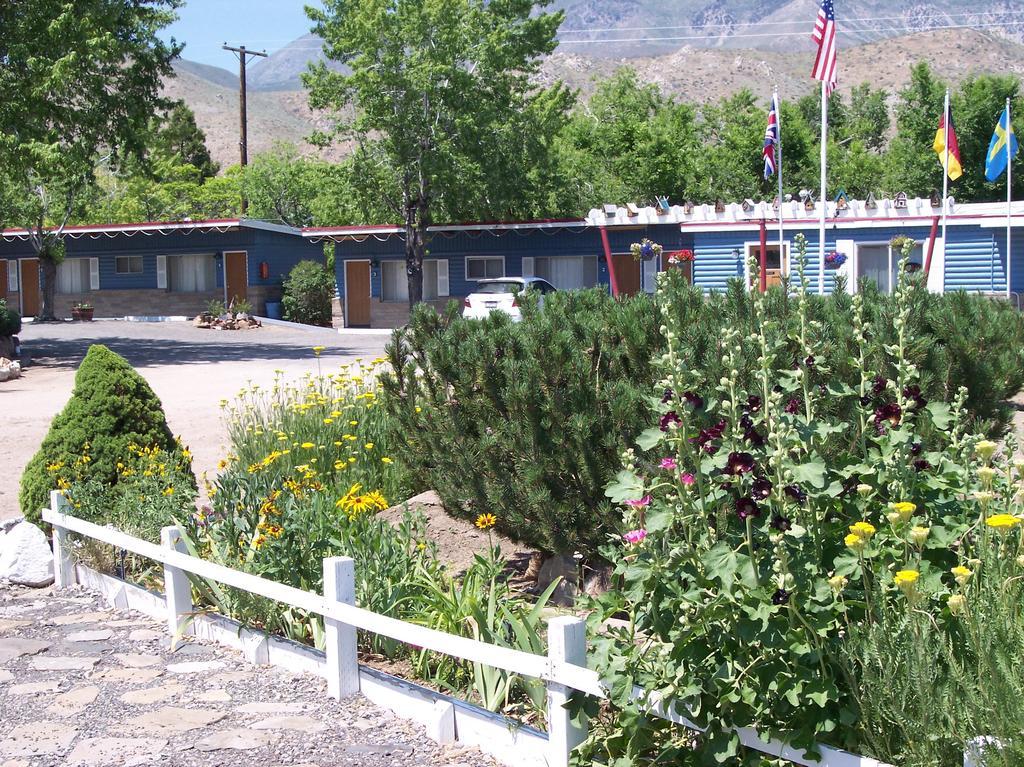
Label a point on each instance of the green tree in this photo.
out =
(78, 78)
(177, 137)
(910, 164)
(446, 114)
(111, 408)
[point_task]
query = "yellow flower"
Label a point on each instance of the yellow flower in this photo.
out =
(906, 580)
(1002, 521)
(169, 491)
(353, 423)
(855, 542)
(956, 603)
(961, 574)
(318, 350)
(486, 521)
(385, 459)
(863, 530)
(905, 509)
(307, 445)
(419, 409)
(328, 421)
(368, 446)
(222, 464)
(985, 449)
(919, 535)
(837, 583)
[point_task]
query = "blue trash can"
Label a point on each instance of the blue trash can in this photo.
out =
(274, 310)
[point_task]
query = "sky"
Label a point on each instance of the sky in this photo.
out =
(205, 25)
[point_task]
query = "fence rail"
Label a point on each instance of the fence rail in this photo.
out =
(563, 669)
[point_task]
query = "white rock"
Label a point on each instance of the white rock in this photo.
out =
(25, 557)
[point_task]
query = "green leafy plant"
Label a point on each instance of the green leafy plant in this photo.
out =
(761, 532)
(10, 320)
(215, 307)
(111, 408)
(308, 292)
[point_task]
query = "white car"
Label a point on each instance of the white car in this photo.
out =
(502, 295)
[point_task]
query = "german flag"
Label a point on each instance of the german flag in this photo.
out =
(955, 170)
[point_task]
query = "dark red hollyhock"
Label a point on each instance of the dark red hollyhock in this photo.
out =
(739, 463)
(671, 417)
(920, 464)
(747, 507)
(780, 597)
(746, 422)
(781, 523)
(795, 492)
(761, 488)
(916, 448)
(753, 403)
(913, 392)
(668, 395)
(809, 361)
(753, 436)
(881, 382)
(693, 399)
(865, 400)
(892, 413)
(708, 435)
(793, 406)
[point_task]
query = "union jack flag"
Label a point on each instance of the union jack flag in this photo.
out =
(771, 140)
(824, 36)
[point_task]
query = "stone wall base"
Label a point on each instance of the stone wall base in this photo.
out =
(395, 315)
(137, 302)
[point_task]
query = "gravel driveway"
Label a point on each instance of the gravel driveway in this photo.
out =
(85, 687)
(191, 370)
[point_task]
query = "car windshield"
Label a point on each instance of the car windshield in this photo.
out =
(499, 287)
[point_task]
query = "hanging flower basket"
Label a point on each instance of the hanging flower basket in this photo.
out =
(913, 267)
(680, 256)
(645, 250)
(835, 259)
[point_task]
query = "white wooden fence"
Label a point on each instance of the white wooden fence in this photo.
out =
(563, 669)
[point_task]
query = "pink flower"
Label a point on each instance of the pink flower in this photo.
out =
(687, 479)
(635, 536)
(640, 504)
(668, 463)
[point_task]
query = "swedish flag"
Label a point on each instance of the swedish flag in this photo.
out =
(995, 160)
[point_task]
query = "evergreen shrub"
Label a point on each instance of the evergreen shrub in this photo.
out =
(111, 410)
(527, 420)
(524, 420)
(308, 293)
(10, 320)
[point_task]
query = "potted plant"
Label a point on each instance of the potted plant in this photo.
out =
(835, 259)
(82, 311)
(645, 250)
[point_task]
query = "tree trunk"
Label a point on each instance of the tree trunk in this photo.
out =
(417, 217)
(48, 271)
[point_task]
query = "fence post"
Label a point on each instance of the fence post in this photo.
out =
(63, 564)
(567, 643)
(342, 661)
(176, 585)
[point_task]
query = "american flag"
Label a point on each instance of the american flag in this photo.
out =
(825, 36)
(771, 139)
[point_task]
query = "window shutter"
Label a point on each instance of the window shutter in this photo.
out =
(12, 276)
(528, 266)
(161, 272)
(94, 274)
(442, 277)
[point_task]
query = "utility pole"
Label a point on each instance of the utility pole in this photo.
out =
(242, 54)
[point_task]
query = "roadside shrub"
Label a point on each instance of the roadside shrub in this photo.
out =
(526, 420)
(810, 575)
(308, 292)
(10, 320)
(111, 408)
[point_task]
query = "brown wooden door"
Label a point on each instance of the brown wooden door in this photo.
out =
(236, 277)
(627, 274)
(357, 294)
(29, 285)
(3, 278)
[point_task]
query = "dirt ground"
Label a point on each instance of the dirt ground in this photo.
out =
(191, 370)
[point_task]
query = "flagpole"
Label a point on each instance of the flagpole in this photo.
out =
(778, 125)
(824, 176)
(945, 173)
(1009, 199)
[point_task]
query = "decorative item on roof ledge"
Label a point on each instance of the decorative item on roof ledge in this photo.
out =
(835, 259)
(688, 207)
(842, 201)
(632, 210)
(661, 205)
(870, 203)
(936, 200)
(610, 209)
(900, 201)
(719, 205)
(776, 203)
(748, 205)
(645, 250)
(809, 203)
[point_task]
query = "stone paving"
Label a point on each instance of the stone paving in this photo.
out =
(86, 687)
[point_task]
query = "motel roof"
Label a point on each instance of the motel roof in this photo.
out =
(150, 228)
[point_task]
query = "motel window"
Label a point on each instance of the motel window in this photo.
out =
(395, 281)
(776, 263)
(483, 268)
(73, 276)
(192, 274)
(128, 265)
(567, 272)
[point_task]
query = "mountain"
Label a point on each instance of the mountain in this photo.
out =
(281, 70)
(691, 72)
